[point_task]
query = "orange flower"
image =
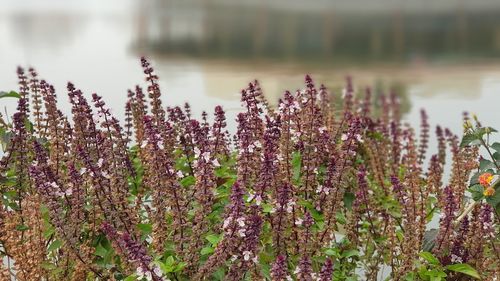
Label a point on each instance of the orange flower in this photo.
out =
(485, 179)
(489, 191)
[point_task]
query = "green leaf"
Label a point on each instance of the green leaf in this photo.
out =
(468, 139)
(214, 239)
(221, 172)
(483, 131)
(496, 146)
(436, 275)
(410, 276)
(207, 250)
(167, 266)
(188, 181)
(490, 130)
(22, 227)
(48, 266)
(145, 228)
(296, 165)
(340, 217)
(496, 156)
(100, 251)
(477, 191)
(132, 277)
(267, 208)
(332, 252)
(348, 199)
(486, 164)
(219, 274)
(317, 216)
(465, 269)
(56, 244)
(49, 232)
(266, 270)
(350, 253)
(10, 94)
(170, 261)
(430, 258)
(180, 266)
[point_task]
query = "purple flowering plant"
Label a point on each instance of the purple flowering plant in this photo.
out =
(322, 186)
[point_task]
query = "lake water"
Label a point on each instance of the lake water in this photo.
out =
(96, 45)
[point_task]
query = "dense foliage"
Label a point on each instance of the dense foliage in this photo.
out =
(320, 187)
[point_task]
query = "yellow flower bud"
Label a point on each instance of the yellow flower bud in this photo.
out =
(489, 191)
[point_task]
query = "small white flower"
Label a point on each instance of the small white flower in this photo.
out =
(456, 259)
(250, 197)
(105, 175)
(226, 223)
(233, 258)
(258, 200)
(69, 191)
(289, 207)
(100, 162)
(322, 129)
(297, 270)
(160, 145)
(83, 170)
(54, 185)
(246, 255)
(241, 221)
(144, 143)
(197, 152)
(289, 278)
(319, 189)
(179, 174)
(216, 163)
(206, 156)
(343, 137)
(299, 222)
(255, 259)
(241, 232)
(358, 137)
(344, 93)
(157, 271)
(273, 210)
(139, 272)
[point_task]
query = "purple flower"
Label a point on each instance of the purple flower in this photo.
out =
(279, 269)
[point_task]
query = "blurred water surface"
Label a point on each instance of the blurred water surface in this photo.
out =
(445, 54)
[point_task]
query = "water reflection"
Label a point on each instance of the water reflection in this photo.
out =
(319, 31)
(445, 54)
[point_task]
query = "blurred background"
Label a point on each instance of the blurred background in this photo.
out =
(442, 55)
